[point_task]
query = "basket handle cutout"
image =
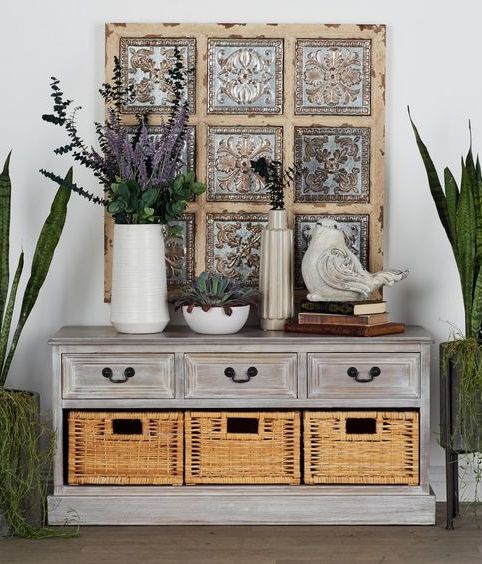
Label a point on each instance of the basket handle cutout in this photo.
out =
(361, 426)
(244, 425)
(126, 427)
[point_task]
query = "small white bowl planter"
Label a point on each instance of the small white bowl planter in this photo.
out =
(215, 321)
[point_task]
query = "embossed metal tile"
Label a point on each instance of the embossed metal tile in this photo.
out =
(354, 227)
(180, 252)
(187, 158)
(229, 156)
(144, 66)
(245, 76)
(233, 245)
(333, 76)
(335, 164)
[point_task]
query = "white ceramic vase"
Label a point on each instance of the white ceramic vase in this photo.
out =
(276, 272)
(215, 321)
(139, 287)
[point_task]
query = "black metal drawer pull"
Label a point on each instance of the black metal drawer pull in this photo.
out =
(107, 372)
(354, 373)
(231, 373)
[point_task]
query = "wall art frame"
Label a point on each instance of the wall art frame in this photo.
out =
(256, 89)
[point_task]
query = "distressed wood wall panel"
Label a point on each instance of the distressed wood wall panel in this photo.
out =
(315, 91)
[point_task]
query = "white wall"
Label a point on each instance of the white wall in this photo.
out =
(433, 60)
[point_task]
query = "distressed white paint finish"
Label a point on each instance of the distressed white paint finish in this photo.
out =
(199, 363)
(276, 377)
(245, 507)
(399, 375)
(82, 376)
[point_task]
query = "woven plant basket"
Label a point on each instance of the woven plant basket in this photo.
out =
(125, 448)
(231, 447)
(361, 447)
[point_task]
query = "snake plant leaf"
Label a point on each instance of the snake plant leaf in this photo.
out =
(452, 198)
(476, 318)
(465, 239)
(7, 319)
(44, 252)
(477, 188)
(5, 202)
(434, 184)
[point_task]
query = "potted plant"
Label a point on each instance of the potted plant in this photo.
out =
(215, 305)
(276, 269)
(460, 210)
(144, 191)
(22, 463)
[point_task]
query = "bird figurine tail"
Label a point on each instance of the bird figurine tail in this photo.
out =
(388, 277)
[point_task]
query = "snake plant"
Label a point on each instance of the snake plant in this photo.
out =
(460, 211)
(44, 251)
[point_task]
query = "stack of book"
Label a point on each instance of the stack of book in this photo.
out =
(357, 319)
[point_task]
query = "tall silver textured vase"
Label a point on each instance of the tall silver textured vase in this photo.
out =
(276, 272)
(139, 287)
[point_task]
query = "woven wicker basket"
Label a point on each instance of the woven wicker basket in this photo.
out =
(361, 447)
(242, 447)
(125, 448)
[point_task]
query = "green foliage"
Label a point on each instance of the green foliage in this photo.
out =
(212, 290)
(22, 463)
(466, 355)
(5, 203)
(130, 203)
(23, 482)
(44, 251)
(460, 211)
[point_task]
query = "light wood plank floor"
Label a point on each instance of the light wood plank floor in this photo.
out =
(253, 545)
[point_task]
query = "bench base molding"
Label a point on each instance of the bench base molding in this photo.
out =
(203, 506)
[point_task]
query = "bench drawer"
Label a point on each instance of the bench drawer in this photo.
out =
(114, 375)
(241, 375)
(363, 375)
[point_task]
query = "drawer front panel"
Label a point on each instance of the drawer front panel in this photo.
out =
(241, 375)
(363, 375)
(117, 376)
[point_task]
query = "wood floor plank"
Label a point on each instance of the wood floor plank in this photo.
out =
(257, 545)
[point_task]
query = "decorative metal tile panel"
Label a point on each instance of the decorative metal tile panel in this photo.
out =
(354, 227)
(230, 152)
(245, 76)
(305, 94)
(233, 245)
(187, 159)
(335, 164)
(180, 252)
(333, 76)
(144, 66)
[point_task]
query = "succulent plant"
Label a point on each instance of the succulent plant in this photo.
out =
(213, 290)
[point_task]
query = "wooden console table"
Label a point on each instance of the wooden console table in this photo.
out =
(181, 370)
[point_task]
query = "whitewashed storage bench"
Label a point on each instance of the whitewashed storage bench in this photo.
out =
(356, 382)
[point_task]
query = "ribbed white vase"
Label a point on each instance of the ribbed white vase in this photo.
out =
(276, 272)
(139, 287)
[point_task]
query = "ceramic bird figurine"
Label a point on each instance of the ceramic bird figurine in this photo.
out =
(331, 272)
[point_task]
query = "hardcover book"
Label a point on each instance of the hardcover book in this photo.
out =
(346, 330)
(345, 308)
(327, 318)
